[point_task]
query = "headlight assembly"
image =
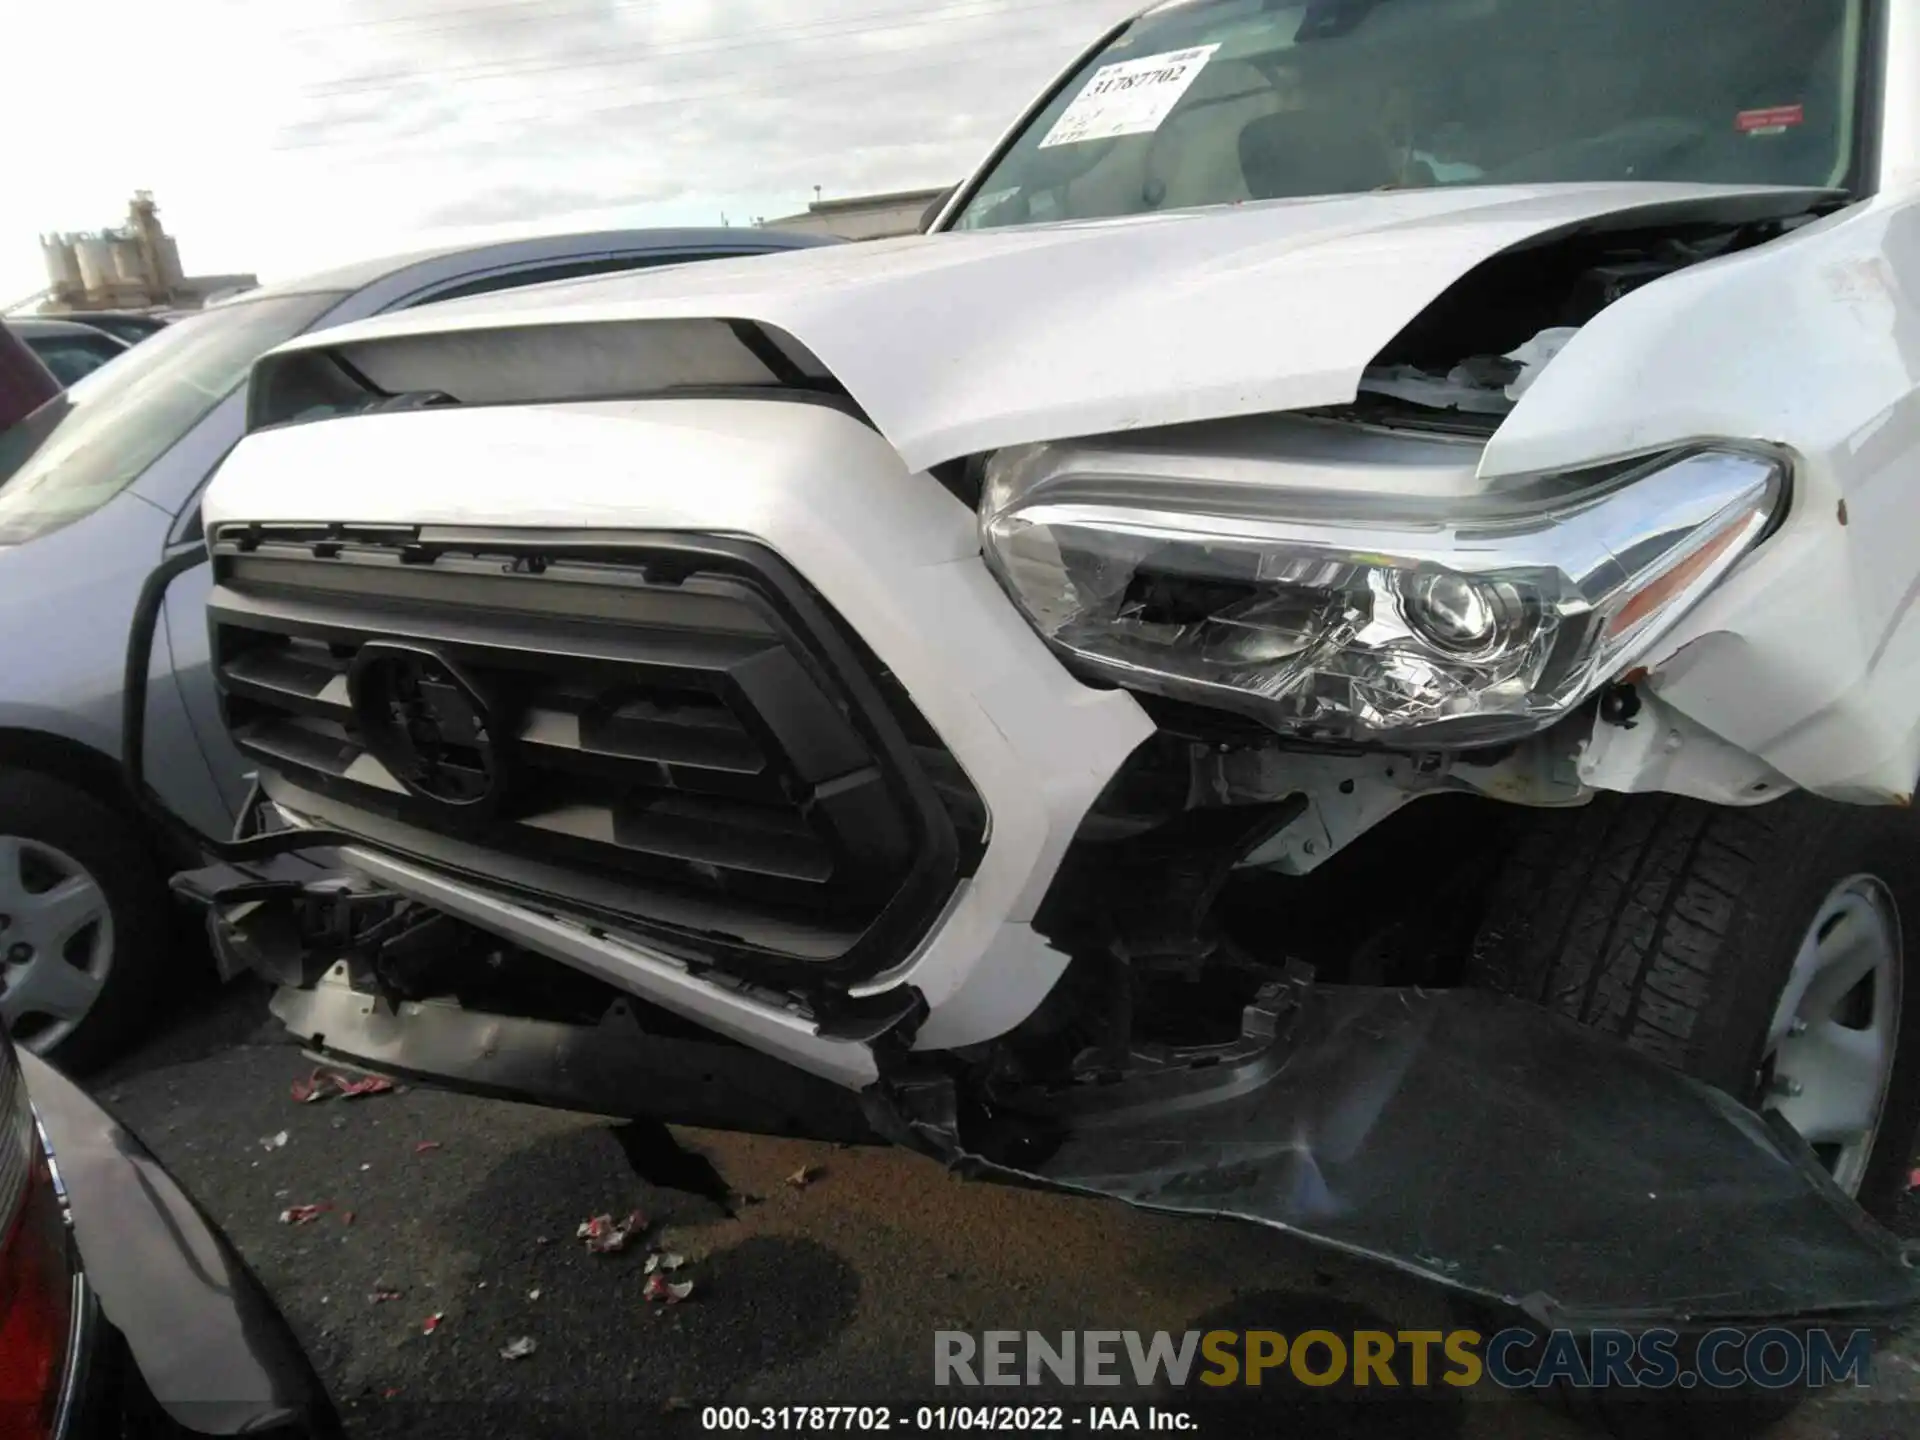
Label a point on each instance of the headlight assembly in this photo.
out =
(1457, 625)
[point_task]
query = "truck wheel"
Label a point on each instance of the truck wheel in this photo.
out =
(84, 922)
(1759, 950)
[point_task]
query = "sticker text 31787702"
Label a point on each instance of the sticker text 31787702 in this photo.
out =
(1130, 98)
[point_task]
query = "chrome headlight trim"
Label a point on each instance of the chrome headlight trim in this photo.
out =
(1363, 618)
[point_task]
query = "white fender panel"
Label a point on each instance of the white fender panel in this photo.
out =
(1808, 655)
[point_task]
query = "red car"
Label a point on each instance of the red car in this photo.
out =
(124, 1312)
(25, 383)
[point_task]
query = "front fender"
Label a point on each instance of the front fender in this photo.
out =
(1807, 657)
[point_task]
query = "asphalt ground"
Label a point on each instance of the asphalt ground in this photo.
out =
(827, 1293)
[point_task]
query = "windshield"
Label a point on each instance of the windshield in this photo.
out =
(1210, 102)
(80, 449)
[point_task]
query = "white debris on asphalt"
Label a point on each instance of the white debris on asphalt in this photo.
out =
(323, 1083)
(664, 1260)
(606, 1236)
(519, 1348)
(274, 1142)
(666, 1291)
(534, 1294)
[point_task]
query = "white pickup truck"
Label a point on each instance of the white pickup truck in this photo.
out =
(1330, 643)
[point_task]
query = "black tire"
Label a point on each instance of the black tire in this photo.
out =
(1673, 924)
(114, 851)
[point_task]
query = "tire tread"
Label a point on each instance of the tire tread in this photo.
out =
(1616, 915)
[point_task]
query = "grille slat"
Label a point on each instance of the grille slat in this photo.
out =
(589, 592)
(702, 832)
(293, 741)
(304, 679)
(704, 735)
(675, 727)
(552, 645)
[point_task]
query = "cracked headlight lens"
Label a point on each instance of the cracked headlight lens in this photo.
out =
(1460, 625)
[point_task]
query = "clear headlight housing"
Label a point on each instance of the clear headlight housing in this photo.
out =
(1373, 619)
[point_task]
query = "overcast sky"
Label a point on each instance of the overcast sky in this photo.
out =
(279, 138)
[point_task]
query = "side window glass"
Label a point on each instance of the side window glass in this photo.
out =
(70, 359)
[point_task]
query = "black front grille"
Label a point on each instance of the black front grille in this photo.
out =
(676, 735)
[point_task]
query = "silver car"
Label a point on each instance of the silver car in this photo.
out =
(98, 489)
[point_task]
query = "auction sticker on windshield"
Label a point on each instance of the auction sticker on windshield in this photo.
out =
(1130, 98)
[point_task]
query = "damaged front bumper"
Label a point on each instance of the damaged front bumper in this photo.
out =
(366, 979)
(1470, 1140)
(1484, 1145)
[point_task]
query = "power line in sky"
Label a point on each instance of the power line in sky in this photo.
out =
(678, 99)
(1008, 56)
(537, 12)
(954, 12)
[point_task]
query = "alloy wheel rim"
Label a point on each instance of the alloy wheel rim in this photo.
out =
(56, 942)
(1831, 1045)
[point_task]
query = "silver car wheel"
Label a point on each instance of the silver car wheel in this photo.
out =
(1830, 1049)
(56, 942)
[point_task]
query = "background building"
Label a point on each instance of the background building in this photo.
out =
(133, 267)
(862, 217)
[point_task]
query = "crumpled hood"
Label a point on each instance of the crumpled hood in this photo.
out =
(958, 343)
